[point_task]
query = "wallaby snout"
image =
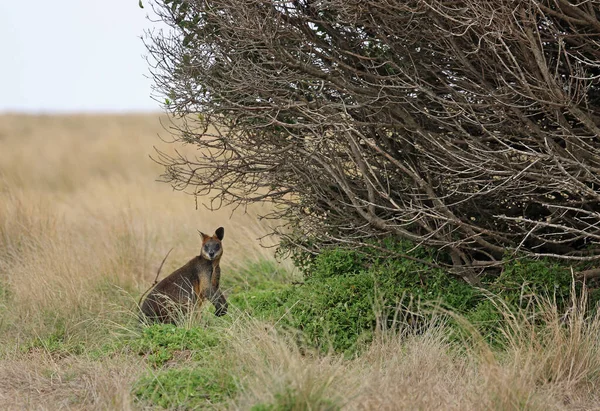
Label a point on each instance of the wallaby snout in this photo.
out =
(211, 249)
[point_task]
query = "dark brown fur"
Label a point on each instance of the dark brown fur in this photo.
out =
(196, 281)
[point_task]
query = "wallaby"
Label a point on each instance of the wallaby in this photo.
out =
(198, 280)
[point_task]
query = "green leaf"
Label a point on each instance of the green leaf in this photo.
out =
(140, 4)
(188, 38)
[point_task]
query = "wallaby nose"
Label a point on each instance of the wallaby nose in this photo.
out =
(211, 254)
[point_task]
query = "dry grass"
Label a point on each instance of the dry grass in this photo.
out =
(79, 203)
(551, 367)
(39, 381)
(83, 228)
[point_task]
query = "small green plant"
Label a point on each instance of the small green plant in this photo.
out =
(190, 369)
(186, 388)
(523, 278)
(522, 282)
(160, 343)
(58, 339)
(292, 400)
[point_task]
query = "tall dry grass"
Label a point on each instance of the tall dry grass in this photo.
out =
(548, 362)
(80, 205)
(84, 226)
(40, 381)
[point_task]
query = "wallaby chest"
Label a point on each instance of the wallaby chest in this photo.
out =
(203, 276)
(188, 281)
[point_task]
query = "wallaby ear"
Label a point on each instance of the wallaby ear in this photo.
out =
(220, 233)
(204, 236)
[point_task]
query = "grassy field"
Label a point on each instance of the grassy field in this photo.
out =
(83, 229)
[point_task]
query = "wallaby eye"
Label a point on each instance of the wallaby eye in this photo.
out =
(217, 246)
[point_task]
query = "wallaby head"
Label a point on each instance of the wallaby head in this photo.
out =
(212, 248)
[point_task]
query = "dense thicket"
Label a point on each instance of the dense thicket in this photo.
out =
(469, 126)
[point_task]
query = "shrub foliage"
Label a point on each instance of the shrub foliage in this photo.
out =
(467, 126)
(348, 295)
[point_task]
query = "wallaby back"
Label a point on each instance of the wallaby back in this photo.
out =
(196, 281)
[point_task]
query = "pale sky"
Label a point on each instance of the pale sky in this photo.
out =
(74, 56)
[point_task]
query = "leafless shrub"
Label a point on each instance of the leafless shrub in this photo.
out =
(470, 126)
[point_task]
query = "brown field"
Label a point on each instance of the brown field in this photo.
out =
(84, 226)
(83, 229)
